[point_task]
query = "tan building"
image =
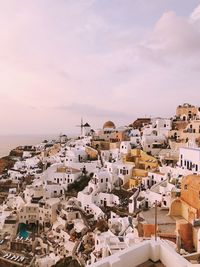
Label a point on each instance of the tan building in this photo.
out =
(9, 226)
(109, 134)
(29, 214)
(193, 127)
(190, 194)
(186, 111)
(119, 136)
(92, 153)
(136, 178)
(185, 206)
(186, 211)
(142, 163)
(191, 131)
(141, 160)
(48, 211)
(51, 151)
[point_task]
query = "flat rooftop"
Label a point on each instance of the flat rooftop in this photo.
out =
(166, 223)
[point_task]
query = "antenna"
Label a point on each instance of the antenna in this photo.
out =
(81, 126)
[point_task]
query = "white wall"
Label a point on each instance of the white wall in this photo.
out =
(142, 252)
(190, 157)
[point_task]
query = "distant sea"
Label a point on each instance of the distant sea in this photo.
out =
(10, 142)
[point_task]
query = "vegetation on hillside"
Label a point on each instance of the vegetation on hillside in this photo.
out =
(6, 163)
(67, 262)
(80, 183)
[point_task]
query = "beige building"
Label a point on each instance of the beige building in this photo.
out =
(186, 111)
(50, 151)
(182, 136)
(29, 214)
(186, 211)
(48, 211)
(8, 226)
(141, 160)
(142, 164)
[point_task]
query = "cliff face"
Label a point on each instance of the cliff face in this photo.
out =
(5, 164)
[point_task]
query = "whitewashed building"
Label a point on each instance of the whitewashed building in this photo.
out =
(189, 159)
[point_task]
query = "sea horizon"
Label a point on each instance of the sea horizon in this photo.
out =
(11, 141)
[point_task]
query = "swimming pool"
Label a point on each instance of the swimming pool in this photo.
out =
(22, 231)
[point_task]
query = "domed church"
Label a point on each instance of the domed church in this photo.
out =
(109, 125)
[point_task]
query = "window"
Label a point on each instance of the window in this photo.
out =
(101, 180)
(185, 186)
(106, 179)
(124, 172)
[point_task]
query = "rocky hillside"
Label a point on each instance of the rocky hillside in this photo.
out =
(6, 163)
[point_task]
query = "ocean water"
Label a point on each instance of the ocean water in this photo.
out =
(9, 142)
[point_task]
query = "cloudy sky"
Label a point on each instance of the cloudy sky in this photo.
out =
(97, 59)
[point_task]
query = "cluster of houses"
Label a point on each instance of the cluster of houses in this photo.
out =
(110, 192)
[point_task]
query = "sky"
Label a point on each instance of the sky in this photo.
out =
(97, 59)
